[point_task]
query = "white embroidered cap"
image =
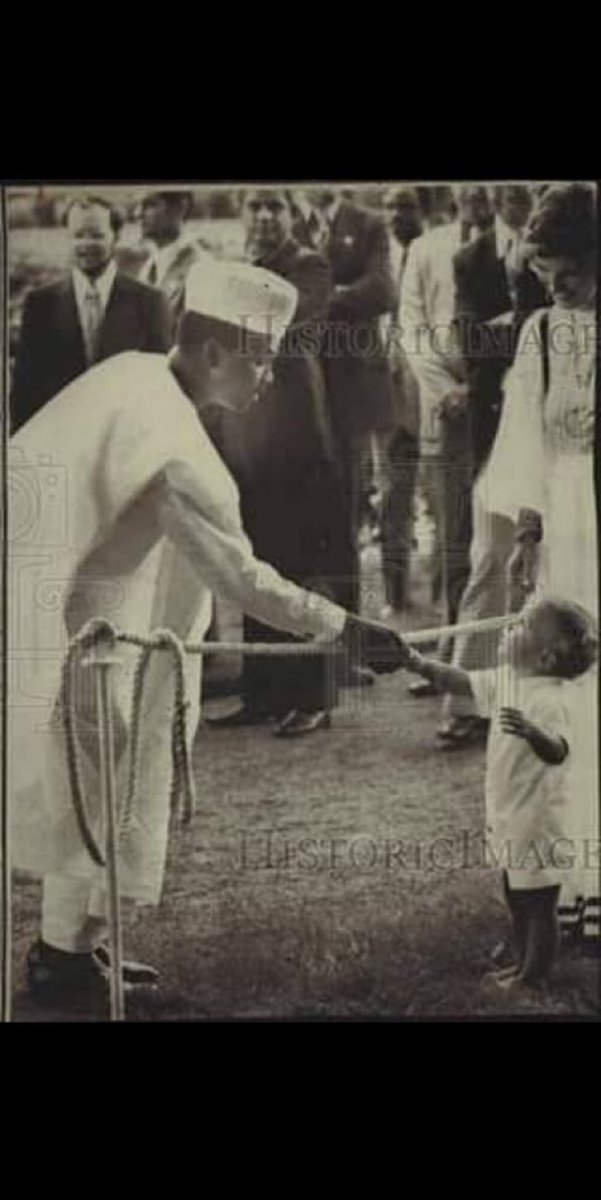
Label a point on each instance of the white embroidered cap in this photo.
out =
(244, 295)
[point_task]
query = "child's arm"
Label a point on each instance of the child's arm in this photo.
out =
(550, 748)
(444, 678)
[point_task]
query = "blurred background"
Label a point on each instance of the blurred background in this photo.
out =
(38, 247)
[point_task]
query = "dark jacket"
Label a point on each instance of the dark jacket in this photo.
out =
(281, 451)
(51, 351)
(357, 370)
(287, 431)
(482, 293)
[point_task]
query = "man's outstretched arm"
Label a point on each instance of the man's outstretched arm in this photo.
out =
(224, 557)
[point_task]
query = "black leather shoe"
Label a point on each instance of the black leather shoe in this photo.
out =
(298, 723)
(133, 972)
(241, 716)
(57, 979)
(422, 688)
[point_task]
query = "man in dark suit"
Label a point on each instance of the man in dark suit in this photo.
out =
(172, 250)
(282, 458)
(91, 314)
(357, 370)
(495, 292)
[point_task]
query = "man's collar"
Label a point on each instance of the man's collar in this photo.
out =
(304, 206)
(103, 283)
(165, 255)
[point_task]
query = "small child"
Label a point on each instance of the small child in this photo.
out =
(527, 796)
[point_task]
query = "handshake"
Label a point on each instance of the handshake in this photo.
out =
(374, 645)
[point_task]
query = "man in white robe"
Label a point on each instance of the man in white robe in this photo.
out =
(122, 508)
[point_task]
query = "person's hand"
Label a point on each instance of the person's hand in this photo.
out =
(522, 571)
(513, 721)
(375, 645)
(455, 402)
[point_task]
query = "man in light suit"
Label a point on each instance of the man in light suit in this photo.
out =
(172, 249)
(91, 314)
(427, 313)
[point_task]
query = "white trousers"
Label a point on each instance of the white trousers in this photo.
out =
(73, 914)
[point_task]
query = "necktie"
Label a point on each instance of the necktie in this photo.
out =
(402, 265)
(153, 273)
(92, 321)
(512, 263)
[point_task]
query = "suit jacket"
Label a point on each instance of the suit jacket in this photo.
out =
(357, 370)
(482, 294)
(51, 351)
(288, 430)
(281, 451)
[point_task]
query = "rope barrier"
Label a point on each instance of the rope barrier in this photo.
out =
(183, 790)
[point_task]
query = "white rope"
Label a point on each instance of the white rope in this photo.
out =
(413, 637)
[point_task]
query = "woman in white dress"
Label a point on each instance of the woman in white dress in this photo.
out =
(541, 475)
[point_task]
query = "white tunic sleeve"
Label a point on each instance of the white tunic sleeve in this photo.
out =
(223, 555)
(515, 474)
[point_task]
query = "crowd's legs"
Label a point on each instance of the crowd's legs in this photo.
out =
(396, 454)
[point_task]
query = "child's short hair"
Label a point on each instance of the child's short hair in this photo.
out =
(578, 640)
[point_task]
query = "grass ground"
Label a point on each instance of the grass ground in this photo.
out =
(313, 881)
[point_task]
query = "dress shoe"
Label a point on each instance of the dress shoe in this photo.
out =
(133, 972)
(463, 731)
(298, 723)
(81, 981)
(240, 716)
(422, 688)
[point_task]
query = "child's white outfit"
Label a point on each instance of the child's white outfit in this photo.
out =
(527, 801)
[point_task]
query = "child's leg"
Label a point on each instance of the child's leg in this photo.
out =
(519, 925)
(542, 935)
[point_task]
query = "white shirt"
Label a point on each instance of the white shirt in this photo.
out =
(527, 817)
(504, 236)
(163, 257)
(103, 285)
(331, 211)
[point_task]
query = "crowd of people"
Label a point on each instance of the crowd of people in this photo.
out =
(446, 349)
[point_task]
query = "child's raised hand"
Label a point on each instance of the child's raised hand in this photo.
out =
(550, 748)
(514, 721)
